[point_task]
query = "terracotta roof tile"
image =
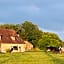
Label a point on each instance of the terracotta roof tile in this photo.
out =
(6, 36)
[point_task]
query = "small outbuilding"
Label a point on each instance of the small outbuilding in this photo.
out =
(29, 46)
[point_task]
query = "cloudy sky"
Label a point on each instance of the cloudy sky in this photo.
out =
(47, 14)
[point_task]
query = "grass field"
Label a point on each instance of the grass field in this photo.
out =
(31, 58)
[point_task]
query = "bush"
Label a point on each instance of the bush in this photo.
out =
(8, 50)
(35, 49)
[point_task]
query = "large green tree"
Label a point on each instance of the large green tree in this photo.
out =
(30, 32)
(49, 39)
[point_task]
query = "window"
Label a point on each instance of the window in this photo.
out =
(15, 47)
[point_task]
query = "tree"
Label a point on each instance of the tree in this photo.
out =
(49, 39)
(7, 26)
(29, 32)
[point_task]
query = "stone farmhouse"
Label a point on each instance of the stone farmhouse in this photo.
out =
(10, 40)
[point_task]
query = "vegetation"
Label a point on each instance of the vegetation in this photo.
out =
(49, 39)
(30, 32)
(8, 51)
(31, 58)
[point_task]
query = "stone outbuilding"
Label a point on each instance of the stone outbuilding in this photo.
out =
(29, 46)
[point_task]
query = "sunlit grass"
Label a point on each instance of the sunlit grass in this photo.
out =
(31, 58)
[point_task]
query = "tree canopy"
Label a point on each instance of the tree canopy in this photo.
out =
(49, 39)
(30, 32)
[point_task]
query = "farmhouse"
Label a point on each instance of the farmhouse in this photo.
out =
(10, 40)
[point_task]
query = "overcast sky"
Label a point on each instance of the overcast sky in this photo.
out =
(47, 14)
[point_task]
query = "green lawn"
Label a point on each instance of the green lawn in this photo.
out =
(31, 58)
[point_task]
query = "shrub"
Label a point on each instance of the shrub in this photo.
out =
(8, 50)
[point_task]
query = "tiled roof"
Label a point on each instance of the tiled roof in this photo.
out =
(7, 32)
(6, 37)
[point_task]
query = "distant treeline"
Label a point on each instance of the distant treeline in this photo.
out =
(30, 32)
